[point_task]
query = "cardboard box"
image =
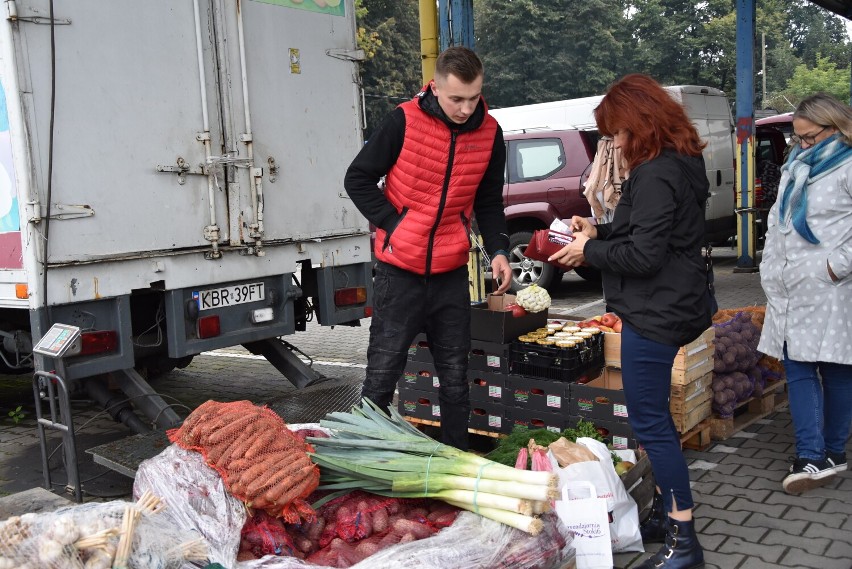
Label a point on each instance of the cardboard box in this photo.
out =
(537, 394)
(489, 356)
(484, 415)
(619, 435)
(485, 356)
(484, 386)
(420, 376)
(418, 351)
(419, 404)
(600, 399)
(490, 417)
(487, 386)
(491, 322)
(533, 419)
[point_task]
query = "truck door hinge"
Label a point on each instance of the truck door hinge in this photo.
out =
(66, 211)
(13, 16)
(347, 54)
(182, 169)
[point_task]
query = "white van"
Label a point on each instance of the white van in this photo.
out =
(707, 107)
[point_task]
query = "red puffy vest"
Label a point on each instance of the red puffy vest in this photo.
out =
(432, 185)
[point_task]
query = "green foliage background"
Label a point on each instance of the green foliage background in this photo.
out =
(538, 51)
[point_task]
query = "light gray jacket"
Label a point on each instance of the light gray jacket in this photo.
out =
(804, 307)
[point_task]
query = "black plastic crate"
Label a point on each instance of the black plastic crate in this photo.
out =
(546, 356)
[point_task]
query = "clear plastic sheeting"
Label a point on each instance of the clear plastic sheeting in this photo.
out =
(88, 536)
(196, 498)
(472, 542)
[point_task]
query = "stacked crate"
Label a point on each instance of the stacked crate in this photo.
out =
(488, 366)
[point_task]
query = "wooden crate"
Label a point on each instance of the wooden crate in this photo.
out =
(685, 421)
(696, 370)
(696, 351)
(753, 409)
(685, 398)
(639, 481)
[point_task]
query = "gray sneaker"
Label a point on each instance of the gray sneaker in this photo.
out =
(837, 460)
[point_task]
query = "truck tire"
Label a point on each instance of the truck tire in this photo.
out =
(526, 271)
(157, 367)
(590, 274)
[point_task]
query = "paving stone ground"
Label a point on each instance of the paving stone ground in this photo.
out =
(744, 519)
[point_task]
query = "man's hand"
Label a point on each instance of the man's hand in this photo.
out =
(501, 271)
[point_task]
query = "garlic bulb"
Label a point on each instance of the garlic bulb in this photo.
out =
(64, 530)
(533, 298)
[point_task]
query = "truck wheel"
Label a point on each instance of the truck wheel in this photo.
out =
(526, 271)
(590, 274)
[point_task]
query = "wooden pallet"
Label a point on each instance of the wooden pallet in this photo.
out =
(425, 422)
(749, 411)
(698, 437)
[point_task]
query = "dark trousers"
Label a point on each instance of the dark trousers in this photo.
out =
(647, 375)
(405, 304)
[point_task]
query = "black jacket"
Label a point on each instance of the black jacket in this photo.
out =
(654, 276)
(381, 151)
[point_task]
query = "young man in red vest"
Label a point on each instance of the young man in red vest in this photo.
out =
(443, 157)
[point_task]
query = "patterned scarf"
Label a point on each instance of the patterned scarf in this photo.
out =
(806, 166)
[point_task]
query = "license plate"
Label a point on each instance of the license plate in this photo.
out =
(228, 296)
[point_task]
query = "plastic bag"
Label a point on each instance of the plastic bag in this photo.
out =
(624, 527)
(196, 499)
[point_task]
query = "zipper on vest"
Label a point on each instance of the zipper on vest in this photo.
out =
(444, 190)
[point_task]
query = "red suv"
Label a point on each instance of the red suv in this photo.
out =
(545, 173)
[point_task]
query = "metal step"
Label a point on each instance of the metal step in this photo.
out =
(307, 405)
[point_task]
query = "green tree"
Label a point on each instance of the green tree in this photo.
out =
(393, 73)
(824, 77)
(542, 51)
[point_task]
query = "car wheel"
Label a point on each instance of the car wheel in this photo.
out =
(526, 271)
(588, 274)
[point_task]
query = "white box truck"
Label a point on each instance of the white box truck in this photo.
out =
(707, 107)
(171, 181)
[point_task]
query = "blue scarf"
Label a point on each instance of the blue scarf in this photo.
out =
(806, 166)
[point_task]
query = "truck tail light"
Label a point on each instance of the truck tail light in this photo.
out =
(350, 296)
(98, 342)
(209, 326)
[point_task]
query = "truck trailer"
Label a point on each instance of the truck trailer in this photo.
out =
(171, 183)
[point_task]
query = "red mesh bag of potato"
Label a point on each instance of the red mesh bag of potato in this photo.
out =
(260, 460)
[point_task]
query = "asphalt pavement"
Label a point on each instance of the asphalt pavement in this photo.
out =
(744, 519)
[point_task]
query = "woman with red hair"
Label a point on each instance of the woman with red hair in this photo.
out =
(655, 279)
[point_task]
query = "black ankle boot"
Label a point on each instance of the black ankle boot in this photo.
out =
(653, 529)
(681, 551)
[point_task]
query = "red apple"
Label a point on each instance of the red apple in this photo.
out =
(517, 310)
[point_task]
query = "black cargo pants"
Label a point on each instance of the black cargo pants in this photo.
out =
(405, 304)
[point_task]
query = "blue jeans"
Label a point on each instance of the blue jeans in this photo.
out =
(821, 410)
(646, 370)
(405, 304)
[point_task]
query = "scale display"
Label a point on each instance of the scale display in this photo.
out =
(58, 340)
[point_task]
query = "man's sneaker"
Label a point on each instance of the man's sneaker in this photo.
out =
(837, 460)
(806, 474)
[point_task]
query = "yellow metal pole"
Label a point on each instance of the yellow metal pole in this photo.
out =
(428, 38)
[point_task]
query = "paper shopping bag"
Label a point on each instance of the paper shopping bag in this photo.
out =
(586, 515)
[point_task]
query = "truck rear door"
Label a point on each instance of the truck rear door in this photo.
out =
(127, 160)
